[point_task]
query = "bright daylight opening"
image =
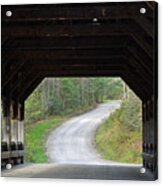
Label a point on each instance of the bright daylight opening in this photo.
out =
(83, 121)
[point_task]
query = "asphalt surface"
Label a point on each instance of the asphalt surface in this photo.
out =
(73, 141)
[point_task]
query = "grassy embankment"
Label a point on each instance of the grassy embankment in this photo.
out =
(36, 135)
(35, 138)
(120, 137)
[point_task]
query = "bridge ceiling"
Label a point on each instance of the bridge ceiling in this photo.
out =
(97, 39)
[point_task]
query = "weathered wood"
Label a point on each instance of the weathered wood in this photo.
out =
(19, 82)
(30, 55)
(135, 84)
(31, 88)
(13, 72)
(76, 11)
(149, 136)
(27, 84)
(21, 123)
(66, 43)
(7, 121)
(14, 122)
(81, 31)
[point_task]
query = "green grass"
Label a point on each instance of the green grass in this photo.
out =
(116, 142)
(35, 139)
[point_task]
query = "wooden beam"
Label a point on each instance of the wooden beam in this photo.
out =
(27, 84)
(79, 30)
(15, 70)
(31, 55)
(18, 83)
(74, 11)
(138, 84)
(141, 66)
(133, 86)
(31, 88)
(140, 56)
(66, 43)
(110, 61)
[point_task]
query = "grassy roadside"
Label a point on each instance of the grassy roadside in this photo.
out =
(35, 139)
(117, 139)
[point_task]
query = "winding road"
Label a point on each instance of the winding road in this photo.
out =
(71, 152)
(73, 141)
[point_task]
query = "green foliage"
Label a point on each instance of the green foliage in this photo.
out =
(54, 106)
(120, 137)
(115, 88)
(62, 96)
(132, 113)
(32, 108)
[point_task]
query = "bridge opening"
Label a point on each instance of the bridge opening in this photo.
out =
(81, 40)
(56, 100)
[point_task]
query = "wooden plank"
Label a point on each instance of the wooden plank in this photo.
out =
(141, 57)
(133, 85)
(16, 68)
(27, 83)
(77, 30)
(16, 86)
(78, 11)
(141, 66)
(80, 68)
(27, 93)
(66, 43)
(30, 55)
(106, 60)
(64, 30)
(141, 85)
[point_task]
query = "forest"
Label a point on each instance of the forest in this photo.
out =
(66, 96)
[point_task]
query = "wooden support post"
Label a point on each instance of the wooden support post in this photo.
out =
(20, 125)
(150, 136)
(6, 137)
(155, 137)
(3, 126)
(14, 124)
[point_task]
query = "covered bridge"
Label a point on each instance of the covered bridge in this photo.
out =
(96, 39)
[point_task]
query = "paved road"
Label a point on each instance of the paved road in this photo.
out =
(73, 142)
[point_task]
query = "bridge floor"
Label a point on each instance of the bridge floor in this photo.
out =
(69, 171)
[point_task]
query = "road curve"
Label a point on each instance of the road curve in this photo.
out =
(72, 154)
(72, 142)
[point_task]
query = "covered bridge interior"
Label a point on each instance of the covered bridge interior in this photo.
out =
(96, 39)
